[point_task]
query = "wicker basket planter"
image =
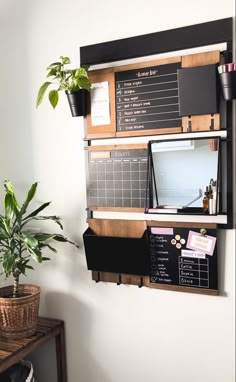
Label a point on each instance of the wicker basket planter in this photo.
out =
(18, 316)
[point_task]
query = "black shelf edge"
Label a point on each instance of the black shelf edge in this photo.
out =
(208, 33)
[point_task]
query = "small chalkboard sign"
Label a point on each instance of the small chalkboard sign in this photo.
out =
(147, 98)
(183, 257)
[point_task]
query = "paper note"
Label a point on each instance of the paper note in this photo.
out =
(201, 243)
(194, 254)
(100, 106)
(162, 231)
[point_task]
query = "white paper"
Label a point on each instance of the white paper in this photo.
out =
(194, 254)
(100, 109)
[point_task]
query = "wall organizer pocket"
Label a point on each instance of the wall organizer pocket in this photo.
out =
(228, 80)
(107, 250)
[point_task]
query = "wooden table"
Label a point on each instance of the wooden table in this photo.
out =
(11, 351)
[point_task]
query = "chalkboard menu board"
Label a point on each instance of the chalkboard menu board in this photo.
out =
(117, 178)
(183, 257)
(147, 98)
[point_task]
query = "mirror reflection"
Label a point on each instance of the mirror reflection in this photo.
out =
(183, 171)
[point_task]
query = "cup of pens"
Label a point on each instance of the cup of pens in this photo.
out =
(227, 74)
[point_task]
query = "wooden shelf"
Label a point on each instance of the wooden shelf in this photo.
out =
(11, 351)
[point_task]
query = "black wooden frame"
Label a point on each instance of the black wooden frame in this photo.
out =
(209, 33)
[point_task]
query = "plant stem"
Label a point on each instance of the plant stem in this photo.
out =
(16, 275)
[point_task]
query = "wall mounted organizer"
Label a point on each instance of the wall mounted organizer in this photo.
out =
(147, 103)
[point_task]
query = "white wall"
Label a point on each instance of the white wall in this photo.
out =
(113, 333)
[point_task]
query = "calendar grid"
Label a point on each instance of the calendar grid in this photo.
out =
(118, 181)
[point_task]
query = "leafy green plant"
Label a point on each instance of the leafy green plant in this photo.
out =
(19, 244)
(70, 80)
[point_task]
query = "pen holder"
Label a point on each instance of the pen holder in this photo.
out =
(228, 85)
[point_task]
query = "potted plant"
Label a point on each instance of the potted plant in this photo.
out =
(74, 82)
(20, 243)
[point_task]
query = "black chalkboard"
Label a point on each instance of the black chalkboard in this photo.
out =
(173, 263)
(147, 98)
(118, 179)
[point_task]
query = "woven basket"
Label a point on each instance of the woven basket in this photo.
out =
(18, 316)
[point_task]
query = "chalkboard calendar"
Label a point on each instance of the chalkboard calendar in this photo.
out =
(147, 98)
(117, 178)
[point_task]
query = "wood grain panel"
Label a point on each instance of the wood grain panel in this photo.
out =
(181, 224)
(117, 228)
(163, 61)
(117, 147)
(173, 130)
(201, 122)
(177, 288)
(199, 59)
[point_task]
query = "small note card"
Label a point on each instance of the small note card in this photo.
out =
(201, 243)
(100, 106)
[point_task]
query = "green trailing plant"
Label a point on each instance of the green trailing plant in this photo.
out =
(18, 243)
(62, 79)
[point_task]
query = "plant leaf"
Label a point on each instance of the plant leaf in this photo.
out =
(39, 209)
(42, 237)
(35, 254)
(42, 245)
(10, 191)
(53, 98)
(41, 92)
(54, 65)
(65, 60)
(56, 219)
(62, 238)
(84, 83)
(9, 206)
(29, 197)
(8, 263)
(28, 240)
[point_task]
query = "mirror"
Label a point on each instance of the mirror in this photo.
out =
(182, 171)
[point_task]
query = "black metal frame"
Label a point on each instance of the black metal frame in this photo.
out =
(198, 35)
(151, 179)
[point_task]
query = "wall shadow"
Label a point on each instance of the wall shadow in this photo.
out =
(81, 364)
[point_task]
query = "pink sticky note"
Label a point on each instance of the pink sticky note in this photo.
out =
(204, 244)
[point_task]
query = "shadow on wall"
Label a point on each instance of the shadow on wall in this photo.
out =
(81, 364)
(16, 157)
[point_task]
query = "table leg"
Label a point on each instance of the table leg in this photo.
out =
(61, 356)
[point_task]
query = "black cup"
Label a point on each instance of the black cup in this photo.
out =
(228, 85)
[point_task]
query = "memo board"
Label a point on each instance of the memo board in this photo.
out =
(144, 98)
(183, 256)
(117, 177)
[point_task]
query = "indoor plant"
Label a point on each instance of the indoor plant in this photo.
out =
(19, 244)
(74, 82)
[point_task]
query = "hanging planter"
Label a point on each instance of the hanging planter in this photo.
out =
(75, 82)
(78, 102)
